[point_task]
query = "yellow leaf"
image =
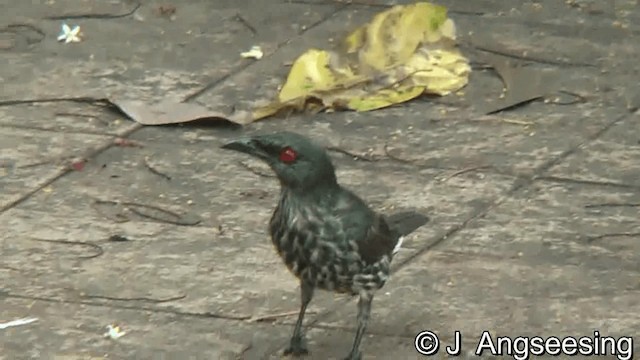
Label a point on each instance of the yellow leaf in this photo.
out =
(265, 111)
(394, 35)
(276, 107)
(400, 54)
(384, 98)
(308, 74)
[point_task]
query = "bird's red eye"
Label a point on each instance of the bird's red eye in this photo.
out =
(288, 155)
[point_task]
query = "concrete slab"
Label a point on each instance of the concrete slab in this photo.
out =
(524, 239)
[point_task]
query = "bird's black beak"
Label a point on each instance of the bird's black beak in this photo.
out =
(245, 145)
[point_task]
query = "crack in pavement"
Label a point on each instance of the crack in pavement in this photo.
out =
(62, 172)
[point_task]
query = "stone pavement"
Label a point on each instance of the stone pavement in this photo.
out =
(534, 211)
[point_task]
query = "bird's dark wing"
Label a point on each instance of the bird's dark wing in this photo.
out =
(374, 235)
(404, 223)
(378, 241)
(381, 234)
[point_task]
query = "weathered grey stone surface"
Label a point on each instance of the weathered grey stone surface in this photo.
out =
(534, 212)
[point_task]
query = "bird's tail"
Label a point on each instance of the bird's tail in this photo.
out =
(404, 223)
(398, 246)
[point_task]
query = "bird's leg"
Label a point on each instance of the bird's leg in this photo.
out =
(298, 345)
(364, 310)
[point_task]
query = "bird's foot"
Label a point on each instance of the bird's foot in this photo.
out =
(354, 356)
(297, 347)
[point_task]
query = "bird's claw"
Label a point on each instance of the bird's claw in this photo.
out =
(297, 347)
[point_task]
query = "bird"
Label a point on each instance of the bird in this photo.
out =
(326, 235)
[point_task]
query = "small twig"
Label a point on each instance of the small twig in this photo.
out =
(529, 58)
(113, 298)
(124, 142)
(87, 100)
(74, 114)
(246, 24)
(244, 165)
(466, 170)
(223, 316)
(98, 248)
(272, 317)
(132, 207)
(120, 218)
(153, 170)
(604, 236)
(118, 238)
(39, 163)
(92, 16)
(577, 98)
(517, 122)
(345, 152)
(585, 182)
(513, 106)
(490, 117)
(393, 157)
(589, 206)
(88, 116)
(28, 26)
(13, 28)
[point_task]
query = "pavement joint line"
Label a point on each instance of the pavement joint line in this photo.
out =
(565, 154)
(65, 131)
(22, 198)
(520, 183)
(245, 66)
(160, 310)
(560, 179)
(62, 172)
(122, 307)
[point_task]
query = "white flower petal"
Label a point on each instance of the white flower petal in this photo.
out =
(114, 332)
(17, 322)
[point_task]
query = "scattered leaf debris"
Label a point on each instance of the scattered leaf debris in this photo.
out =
(402, 53)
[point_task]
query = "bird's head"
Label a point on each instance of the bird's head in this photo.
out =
(298, 162)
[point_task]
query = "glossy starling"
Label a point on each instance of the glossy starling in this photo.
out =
(327, 236)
